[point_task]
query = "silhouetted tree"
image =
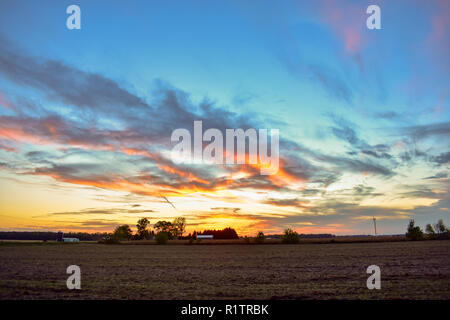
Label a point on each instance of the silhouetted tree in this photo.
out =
(414, 232)
(179, 226)
(290, 236)
(440, 227)
(122, 232)
(40, 235)
(260, 237)
(167, 227)
(227, 233)
(437, 231)
(142, 231)
(429, 229)
(163, 226)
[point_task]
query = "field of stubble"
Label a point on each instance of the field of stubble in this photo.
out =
(409, 270)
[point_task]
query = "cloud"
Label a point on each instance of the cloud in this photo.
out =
(391, 115)
(334, 85)
(288, 203)
(429, 130)
(443, 158)
(110, 138)
(102, 211)
(65, 83)
(92, 96)
(356, 165)
(278, 26)
(347, 21)
(439, 175)
(437, 42)
(331, 82)
(344, 130)
(372, 153)
(226, 209)
(362, 191)
(7, 147)
(140, 135)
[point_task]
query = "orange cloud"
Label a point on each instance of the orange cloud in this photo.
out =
(347, 21)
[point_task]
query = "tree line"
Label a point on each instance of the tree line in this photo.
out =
(47, 235)
(436, 231)
(227, 233)
(173, 229)
(165, 230)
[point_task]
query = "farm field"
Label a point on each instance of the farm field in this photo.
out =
(409, 270)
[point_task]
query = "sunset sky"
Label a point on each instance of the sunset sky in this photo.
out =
(86, 115)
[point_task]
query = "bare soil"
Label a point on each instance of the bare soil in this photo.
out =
(409, 270)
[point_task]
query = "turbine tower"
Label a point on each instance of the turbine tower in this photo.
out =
(375, 225)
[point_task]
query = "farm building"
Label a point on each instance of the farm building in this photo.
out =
(205, 236)
(60, 238)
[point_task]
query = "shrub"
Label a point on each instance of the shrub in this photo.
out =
(162, 237)
(414, 232)
(260, 237)
(290, 236)
(247, 239)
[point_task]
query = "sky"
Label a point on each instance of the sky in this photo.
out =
(86, 115)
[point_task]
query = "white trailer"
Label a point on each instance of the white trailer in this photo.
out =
(205, 236)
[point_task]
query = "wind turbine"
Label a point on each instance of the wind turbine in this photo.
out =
(375, 225)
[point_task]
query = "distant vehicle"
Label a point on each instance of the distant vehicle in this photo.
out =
(205, 236)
